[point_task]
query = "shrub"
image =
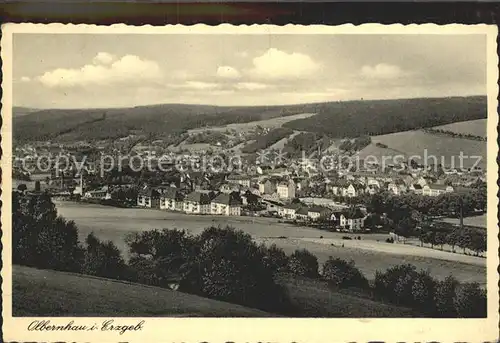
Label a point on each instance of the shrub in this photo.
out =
(389, 240)
(103, 259)
(303, 263)
(228, 266)
(470, 301)
(341, 273)
(275, 258)
(423, 293)
(42, 239)
(395, 284)
(346, 237)
(445, 293)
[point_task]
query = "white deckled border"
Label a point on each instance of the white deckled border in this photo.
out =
(275, 329)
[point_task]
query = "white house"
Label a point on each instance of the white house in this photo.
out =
(289, 211)
(197, 203)
(435, 190)
(171, 199)
(148, 197)
(225, 204)
(286, 189)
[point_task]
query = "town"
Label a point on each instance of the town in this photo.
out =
(295, 189)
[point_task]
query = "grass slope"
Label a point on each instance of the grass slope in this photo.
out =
(445, 148)
(357, 118)
(316, 299)
(50, 293)
(470, 127)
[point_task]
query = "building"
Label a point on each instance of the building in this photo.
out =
(148, 197)
(225, 204)
(435, 190)
(102, 194)
(302, 213)
(197, 203)
(238, 179)
(289, 211)
(286, 189)
(171, 199)
(416, 188)
(352, 220)
(267, 186)
(397, 187)
(318, 212)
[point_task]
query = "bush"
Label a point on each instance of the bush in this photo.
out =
(103, 259)
(395, 284)
(341, 273)
(303, 263)
(159, 256)
(423, 293)
(389, 240)
(228, 266)
(275, 258)
(40, 238)
(470, 301)
(346, 237)
(445, 293)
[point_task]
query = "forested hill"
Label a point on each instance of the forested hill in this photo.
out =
(336, 119)
(357, 118)
(156, 120)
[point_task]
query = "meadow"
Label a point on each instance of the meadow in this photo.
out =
(445, 149)
(369, 254)
(470, 127)
(68, 294)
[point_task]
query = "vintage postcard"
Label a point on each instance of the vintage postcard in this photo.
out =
(249, 183)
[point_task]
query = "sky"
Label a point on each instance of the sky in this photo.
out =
(97, 70)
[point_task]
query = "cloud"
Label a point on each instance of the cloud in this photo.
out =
(242, 54)
(382, 71)
(197, 85)
(103, 58)
(250, 86)
(127, 69)
(25, 79)
(277, 64)
(227, 72)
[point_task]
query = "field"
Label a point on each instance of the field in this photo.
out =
(56, 294)
(370, 254)
(267, 123)
(478, 221)
(445, 149)
(471, 127)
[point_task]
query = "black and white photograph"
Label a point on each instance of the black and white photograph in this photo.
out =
(248, 173)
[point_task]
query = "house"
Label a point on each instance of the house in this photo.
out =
(273, 206)
(318, 212)
(354, 220)
(197, 203)
(435, 190)
(397, 187)
(229, 188)
(286, 189)
(289, 211)
(148, 197)
(302, 213)
(415, 188)
(239, 180)
(267, 186)
(371, 189)
(353, 190)
(225, 204)
(102, 193)
(171, 199)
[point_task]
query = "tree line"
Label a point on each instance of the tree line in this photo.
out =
(455, 134)
(221, 263)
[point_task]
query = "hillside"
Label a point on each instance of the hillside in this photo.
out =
(157, 120)
(470, 127)
(357, 118)
(67, 294)
(336, 119)
(416, 143)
